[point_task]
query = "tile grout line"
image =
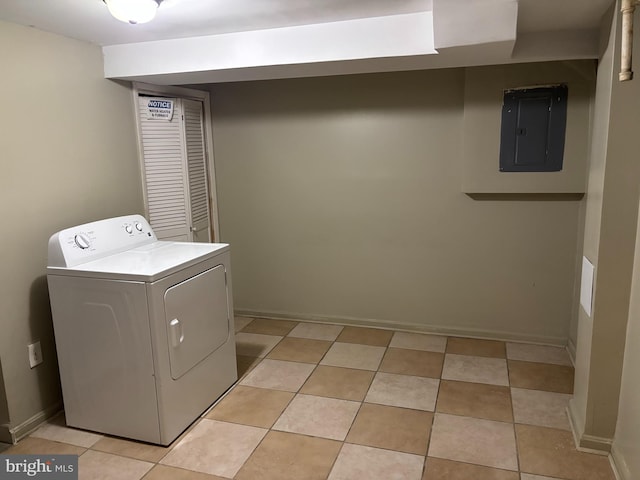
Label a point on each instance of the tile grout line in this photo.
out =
(208, 410)
(361, 404)
(513, 416)
(435, 409)
(298, 393)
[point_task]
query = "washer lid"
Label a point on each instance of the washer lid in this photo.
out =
(146, 263)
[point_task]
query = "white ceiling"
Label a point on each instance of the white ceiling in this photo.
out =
(89, 20)
(206, 41)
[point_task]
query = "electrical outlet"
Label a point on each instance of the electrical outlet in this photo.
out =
(35, 354)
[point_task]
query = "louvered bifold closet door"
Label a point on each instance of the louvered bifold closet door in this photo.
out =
(197, 167)
(165, 173)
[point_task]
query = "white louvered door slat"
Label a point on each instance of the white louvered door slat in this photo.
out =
(197, 171)
(165, 173)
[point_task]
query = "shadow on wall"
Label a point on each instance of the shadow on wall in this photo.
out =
(4, 410)
(356, 93)
(41, 328)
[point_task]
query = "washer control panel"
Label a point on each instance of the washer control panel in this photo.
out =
(91, 241)
(82, 240)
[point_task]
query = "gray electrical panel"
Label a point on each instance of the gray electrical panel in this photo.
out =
(533, 129)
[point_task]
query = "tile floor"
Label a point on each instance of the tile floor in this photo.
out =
(329, 402)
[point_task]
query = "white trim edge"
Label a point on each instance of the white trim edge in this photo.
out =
(31, 424)
(618, 464)
(584, 442)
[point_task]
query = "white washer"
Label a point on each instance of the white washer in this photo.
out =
(143, 328)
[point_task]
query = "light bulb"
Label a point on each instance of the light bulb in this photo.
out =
(132, 11)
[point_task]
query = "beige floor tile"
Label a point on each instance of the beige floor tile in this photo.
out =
(538, 353)
(412, 362)
(240, 322)
(267, 326)
(545, 409)
(466, 368)
(258, 407)
(246, 364)
(55, 429)
(551, 452)
(104, 466)
(352, 355)
(392, 428)
(287, 456)
(337, 382)
(163, 472)
(131, 449)
(360, 462)
(419, 341)
(255, 344)
(439, 469)
(4, 446)
(318, 416)
(476, 347)
(479, 400)
(216, 448)
(316, 331)
(365, 336)
(278, 375)
(403, 391)
(540, 376)
(39, 446)
(472, 440)
(303, 350)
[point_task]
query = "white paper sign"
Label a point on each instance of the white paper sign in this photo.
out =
(160, 109)
(586, 286)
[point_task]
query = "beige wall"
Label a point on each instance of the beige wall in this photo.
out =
(626, 444)
(342, 199)
(484, 89)
(4, 408)
(593, 212)
(610, 239)
(68, 156)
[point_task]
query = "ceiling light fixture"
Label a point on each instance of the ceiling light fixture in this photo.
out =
(133, 11)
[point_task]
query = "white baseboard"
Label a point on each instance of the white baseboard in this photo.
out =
(618, 464)
(408, 327)
(593, 444)
(585, 442)
(18, 432)
(575, 422)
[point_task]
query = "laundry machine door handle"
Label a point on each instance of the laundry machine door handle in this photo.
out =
(177, 335)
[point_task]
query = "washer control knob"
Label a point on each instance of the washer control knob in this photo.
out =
(82, 241)
(129, 229)
(138, 226)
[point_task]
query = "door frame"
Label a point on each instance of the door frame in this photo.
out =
(191, 94)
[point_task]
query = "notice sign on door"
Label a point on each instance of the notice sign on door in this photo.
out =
(160, 109)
